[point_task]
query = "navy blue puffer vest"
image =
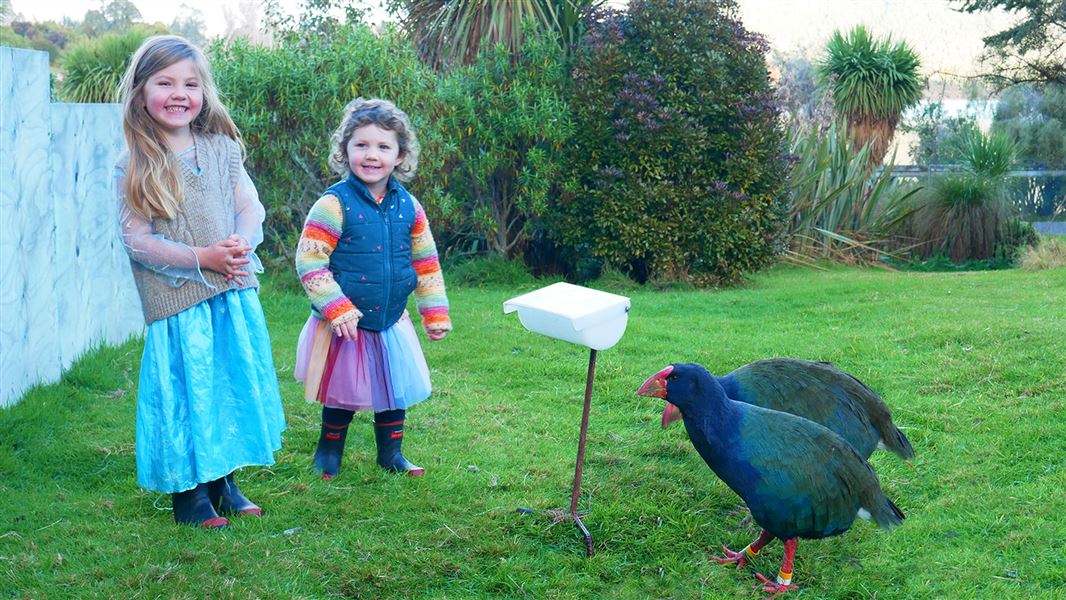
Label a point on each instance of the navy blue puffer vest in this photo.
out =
(372, 260)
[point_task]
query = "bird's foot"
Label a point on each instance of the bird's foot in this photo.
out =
(740, 558)
(773, 587)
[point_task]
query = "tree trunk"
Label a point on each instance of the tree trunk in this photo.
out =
(878, 132)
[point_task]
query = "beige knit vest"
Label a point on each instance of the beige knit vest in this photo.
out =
(206, 216)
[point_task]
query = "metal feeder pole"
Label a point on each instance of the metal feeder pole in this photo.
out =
(581, 454)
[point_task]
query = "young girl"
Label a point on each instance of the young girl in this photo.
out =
(365, 247)
(207, 399)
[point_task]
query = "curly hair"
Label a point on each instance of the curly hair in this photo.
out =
(362, 112)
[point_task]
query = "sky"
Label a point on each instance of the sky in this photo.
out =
(151, 10)
(946, 40)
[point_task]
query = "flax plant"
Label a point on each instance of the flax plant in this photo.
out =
(840, 211)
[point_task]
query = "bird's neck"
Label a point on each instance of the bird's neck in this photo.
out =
(730, 386)
(715, 423)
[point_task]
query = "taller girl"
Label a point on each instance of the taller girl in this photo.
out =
(207, 398)
(366, 246)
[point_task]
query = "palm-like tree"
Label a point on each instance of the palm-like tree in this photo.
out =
(450, 32)
(872, 82)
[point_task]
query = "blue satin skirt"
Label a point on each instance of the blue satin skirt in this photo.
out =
(207, 400)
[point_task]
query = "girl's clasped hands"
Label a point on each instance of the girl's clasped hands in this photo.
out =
(228, 256)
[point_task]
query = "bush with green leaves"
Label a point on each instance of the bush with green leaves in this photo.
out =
(677, 166)
(505, 121)
(93, 67)
(289, 97)
(491, 132)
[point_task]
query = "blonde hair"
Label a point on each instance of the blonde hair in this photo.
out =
(362, 112)
(153, 184)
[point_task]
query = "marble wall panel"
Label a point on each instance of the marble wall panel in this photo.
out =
(28, 339)
(97, 301)
(65, 284)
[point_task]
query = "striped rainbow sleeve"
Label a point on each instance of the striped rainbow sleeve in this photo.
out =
(317, 241)
(430, 297)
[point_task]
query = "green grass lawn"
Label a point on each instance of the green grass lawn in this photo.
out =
(973, 366)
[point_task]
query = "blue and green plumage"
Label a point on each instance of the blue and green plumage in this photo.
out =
(824, 394)
(799, 478)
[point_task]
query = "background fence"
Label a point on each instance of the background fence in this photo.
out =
(65, 282)
(1036, 193)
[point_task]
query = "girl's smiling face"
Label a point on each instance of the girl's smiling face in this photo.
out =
(173, 97)
(373, 154)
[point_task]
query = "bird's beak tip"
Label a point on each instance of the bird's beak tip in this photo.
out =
(655, 386)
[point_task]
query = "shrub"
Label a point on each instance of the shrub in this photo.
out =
(676, 170)
(488, 270)
(491, 132)
(506, 122)
(966, 216)
(1049, 253)
(93, 67)
(961, 216)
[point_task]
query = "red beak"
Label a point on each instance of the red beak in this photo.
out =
(655, 387)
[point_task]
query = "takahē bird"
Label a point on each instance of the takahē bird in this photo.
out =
(798, 478)
(820, 392)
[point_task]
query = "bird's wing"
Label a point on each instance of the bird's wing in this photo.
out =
(817, 391)
(810, 478)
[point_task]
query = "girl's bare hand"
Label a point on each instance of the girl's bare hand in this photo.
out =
(349, 330)
(436, 335)
(225, 257)
(242, 244)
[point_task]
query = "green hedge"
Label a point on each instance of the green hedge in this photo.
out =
(662, 133)
(677, 163)
(491, 133)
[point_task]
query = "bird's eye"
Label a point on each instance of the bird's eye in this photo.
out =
(672, 378)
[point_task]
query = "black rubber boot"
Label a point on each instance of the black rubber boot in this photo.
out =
(227, 498)
(193, 507)
(388, 433)
(330, 448)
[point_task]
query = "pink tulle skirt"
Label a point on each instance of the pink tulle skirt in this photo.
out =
(378, 371)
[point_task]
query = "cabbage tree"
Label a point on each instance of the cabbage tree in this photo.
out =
(872, 83)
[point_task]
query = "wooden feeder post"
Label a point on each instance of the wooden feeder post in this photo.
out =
(582, 316)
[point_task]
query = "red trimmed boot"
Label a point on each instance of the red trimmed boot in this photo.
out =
(388, 433)
(330, 448)
(193, 507)
(227, 498)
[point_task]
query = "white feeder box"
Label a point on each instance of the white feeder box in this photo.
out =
(585, 317)
(573, 313)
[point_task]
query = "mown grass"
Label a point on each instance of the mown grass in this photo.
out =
(972, 365)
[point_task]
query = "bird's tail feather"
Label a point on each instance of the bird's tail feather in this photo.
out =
(889, 516)
(899, 444)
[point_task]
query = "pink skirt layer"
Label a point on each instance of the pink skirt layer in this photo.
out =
(378, 371)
